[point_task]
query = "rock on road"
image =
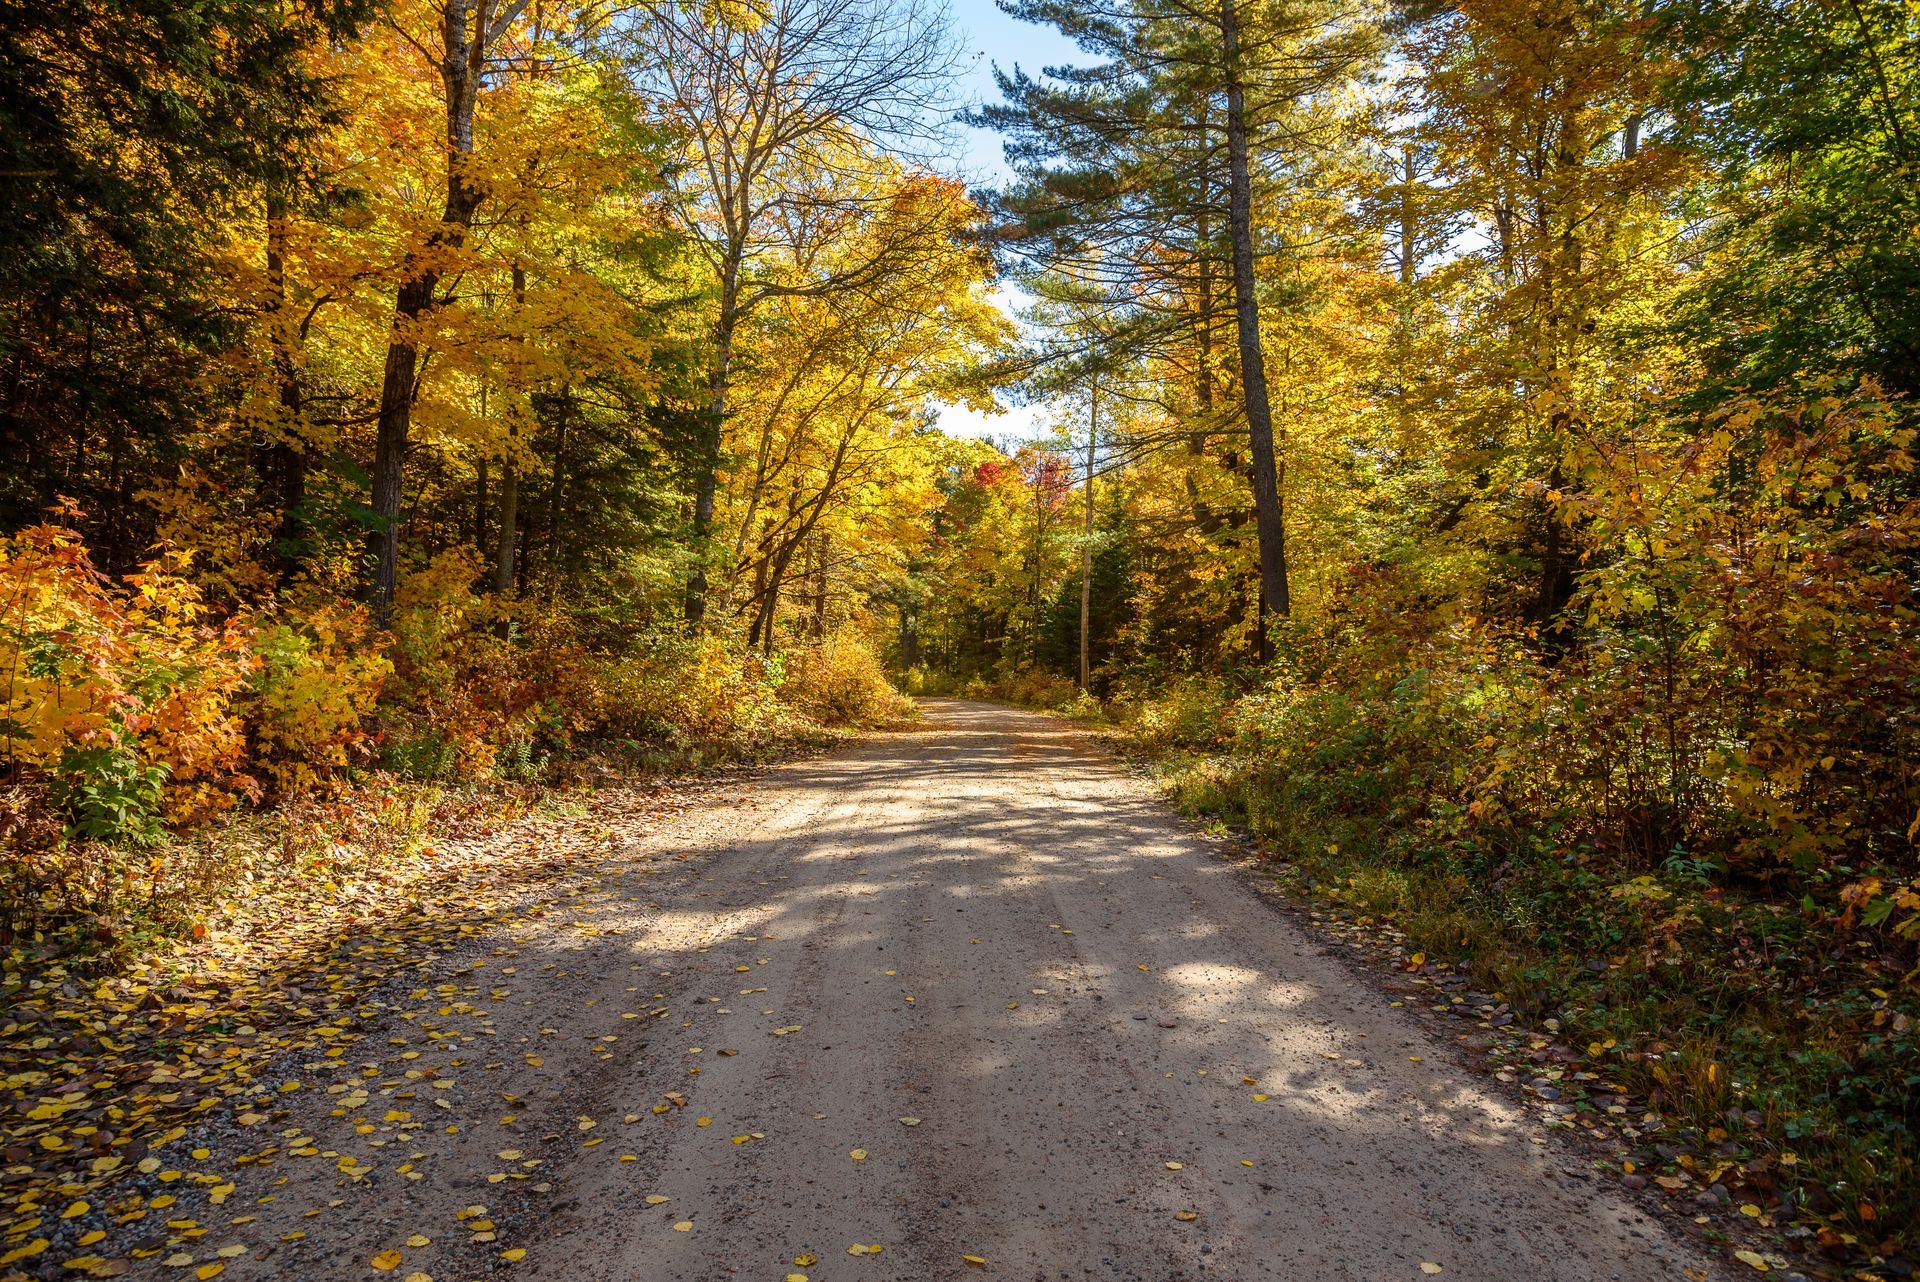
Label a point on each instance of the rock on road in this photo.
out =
(966, 990)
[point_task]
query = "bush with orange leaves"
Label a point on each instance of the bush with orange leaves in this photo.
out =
(118, 719)
(123, 698)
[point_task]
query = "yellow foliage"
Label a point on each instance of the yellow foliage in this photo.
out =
(100, 678)
(840, 680)
(318, 682)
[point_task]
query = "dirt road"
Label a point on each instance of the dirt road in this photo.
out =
(961, 992)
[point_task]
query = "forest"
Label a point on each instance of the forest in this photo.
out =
(1477, 465)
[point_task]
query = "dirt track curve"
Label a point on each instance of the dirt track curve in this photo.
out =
(962, 991)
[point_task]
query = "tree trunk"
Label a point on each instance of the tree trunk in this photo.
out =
(1086, 546)
(463, 50)
(286, 462)
(1269, 516)
(1205, 520)
(503, 568)
(822, 552)
(1039, 553)
(558, 506)
(480, 486)
(706, 477)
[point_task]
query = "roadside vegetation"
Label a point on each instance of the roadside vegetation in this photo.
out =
(1480, 464)
(1575, 636)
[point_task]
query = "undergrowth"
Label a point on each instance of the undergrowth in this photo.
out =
(1763, 1036)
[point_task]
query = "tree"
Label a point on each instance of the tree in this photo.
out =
(467, 31)
(789, 108)
(131, 137)
(1141, 175)
(1809, 115)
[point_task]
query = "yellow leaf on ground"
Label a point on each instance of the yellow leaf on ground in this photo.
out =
(387, 1261)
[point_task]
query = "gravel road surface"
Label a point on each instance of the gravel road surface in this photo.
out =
(962, 991)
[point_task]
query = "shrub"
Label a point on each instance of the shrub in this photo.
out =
(314, 694)
(125, 696)
(687, 689)
(840, 681)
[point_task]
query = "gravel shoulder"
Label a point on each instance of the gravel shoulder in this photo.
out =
(963, 991)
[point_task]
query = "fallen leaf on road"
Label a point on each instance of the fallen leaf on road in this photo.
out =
(1753, 1259)
(1430, 1267)
(977, 1261)
(684, 1226)
(858, 1155)
(387, 1261)
(1186, 1217)
(1175, 1166)
(909, 1121)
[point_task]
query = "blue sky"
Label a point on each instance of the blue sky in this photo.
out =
(990, 37)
